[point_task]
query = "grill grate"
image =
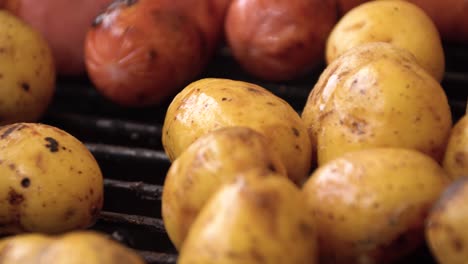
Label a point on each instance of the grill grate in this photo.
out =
(127, 145)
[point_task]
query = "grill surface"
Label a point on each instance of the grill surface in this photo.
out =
(127, 145)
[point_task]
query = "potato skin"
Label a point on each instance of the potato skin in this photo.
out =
(139, 53)
(400, 23)
(279, 40)
(88, 247)
(446, 225)
(51, 183)
(255, 219)
(456, 153)
(376, 95)
(212, 103)
(370, 205)
(63, 23)
(27, 72)
(211, 161)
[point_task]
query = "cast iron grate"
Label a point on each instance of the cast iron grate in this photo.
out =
(127, 145)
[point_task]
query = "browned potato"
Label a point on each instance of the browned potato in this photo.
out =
(456, 154)
(370, 206)
(258, 218)
(446, 231)
(279, 40)
(211, 161)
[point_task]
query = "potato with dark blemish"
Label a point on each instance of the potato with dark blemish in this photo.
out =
(398, 22)
(255, 219)
(212, 103)
(27, 72)
(211, 161)
(446, 231)
(51, 183)
(456, 154)
(370, 206)
(376, 95)
(88, 247)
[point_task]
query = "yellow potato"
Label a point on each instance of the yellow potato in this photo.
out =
(50, 182)
(211, 103)
(370, 205)
(211, 161)
(72, 248)
(398, 22)
(255, 219)
(446, 231)
(27, 72)
(456, 153)
(376, 95)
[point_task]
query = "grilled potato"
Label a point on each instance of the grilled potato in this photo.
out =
(27, 72)
(211, 103)
(376, 95)
(258, 218)
(370, 205)
(397, 22)
(50, 182)
(76, 247)
(446, 226)
(211, 161)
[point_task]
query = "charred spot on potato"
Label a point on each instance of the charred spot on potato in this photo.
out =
(25, 86)
(69, 213)
(296, 132)
(52, 145)
(253, 90)
(25, 182)
(15, 198)
(11, 129)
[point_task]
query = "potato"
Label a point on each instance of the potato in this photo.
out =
(370, 205)
(212, 160)
(446, 225)
(27, 73)
(376, 95)
(88, 247)
(140, 53)
(211, 103)
(456, 154)
(63, 23)
(397, 22)
(279, 40)
(255, 219)
(50, 181)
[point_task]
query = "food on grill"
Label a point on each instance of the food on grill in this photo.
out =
(139, 53)
(255, 219)
(88, 247)
(446, 231)
(397, 22)
(212, 103)
(376, 95)
(211, 161)
(456, 153)
(50, 182)
(63, 23)
(370, 206)
(449, 16)
(279, 40)
(27, 73)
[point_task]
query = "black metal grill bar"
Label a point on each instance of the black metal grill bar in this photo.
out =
(127, 152)
(142, 190)
(149, 223)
